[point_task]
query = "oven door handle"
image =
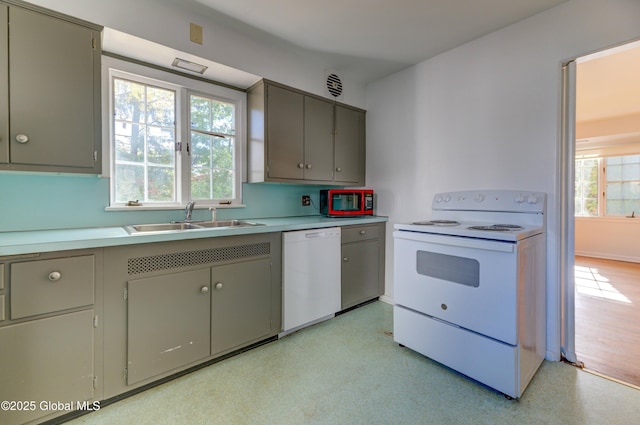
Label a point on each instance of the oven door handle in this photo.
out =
(455, 241)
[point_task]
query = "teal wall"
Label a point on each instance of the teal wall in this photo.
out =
(36, 201)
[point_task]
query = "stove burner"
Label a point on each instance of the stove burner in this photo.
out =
(510, 226)
(497, 227)
(437, 223)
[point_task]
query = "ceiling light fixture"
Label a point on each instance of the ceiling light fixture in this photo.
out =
(189, 66)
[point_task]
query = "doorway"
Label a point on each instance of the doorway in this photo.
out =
(601, 126)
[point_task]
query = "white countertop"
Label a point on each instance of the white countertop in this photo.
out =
(28, 242)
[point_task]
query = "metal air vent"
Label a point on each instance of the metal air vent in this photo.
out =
(334, 85)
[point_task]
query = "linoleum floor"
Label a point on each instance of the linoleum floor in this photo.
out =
(348, 370)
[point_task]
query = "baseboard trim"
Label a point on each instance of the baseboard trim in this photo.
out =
(606, 256)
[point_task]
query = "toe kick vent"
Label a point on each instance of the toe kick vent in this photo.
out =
(193, 258)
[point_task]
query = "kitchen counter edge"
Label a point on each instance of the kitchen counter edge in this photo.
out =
(39, 241)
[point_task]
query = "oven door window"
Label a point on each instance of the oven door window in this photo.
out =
(464, 271)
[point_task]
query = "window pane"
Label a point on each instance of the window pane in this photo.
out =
(201, 183)
(630, 171)
(144, 142)
(212, 157)
(614, 172)
(223, 184)
(128, 100)
(212, 115)
(161, 146)
(586, 187)
(129, 182)
(200, 150)
(129, 142)
(160, 107)
(623, 184)
(222, 153)
(161, 184)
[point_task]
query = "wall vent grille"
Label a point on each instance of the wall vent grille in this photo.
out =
(334, 85)
(193, 258)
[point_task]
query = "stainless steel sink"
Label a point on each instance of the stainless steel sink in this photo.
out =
(227, 223)
(173, 227)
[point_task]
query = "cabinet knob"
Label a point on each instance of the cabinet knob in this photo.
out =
(301, 165)
(204, 289)
(363, 232)
(338, 169)
(22, 138)
(219, 285)
(345, 259)
(53, 276)
(308, 166)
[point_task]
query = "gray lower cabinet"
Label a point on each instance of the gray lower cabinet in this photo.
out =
(362, 263)
(167, 322)
(49, 91)
(170, 306)
(46, 360)
(240, 304)
(50, 334)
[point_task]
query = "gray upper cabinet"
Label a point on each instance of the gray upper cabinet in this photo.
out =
(50, 74)
(349, 145)
(318, 139)
(4, 86)
(297, 137)
(285, 132)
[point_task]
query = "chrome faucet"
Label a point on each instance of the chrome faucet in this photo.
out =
(213, 213)
(188, 211)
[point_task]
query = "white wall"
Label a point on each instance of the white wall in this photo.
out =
(486, 115)
(611, 238)
(166, 22)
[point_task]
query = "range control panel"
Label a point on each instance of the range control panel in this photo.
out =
(491, 200)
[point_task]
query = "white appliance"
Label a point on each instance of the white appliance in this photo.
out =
(470, 285)
(311, 277)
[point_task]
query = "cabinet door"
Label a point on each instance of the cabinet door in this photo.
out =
(46, 360)
(240, 304)
(360, 270)
(285, 133)
(52, 66)
(318, 139)
(350, 145)
(4, 85)
(168, 323)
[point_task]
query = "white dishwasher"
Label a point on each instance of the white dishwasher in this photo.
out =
(311, 277)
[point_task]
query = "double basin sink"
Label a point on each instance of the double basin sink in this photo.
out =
(187, 225)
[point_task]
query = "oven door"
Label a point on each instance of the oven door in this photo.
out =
(470, 283)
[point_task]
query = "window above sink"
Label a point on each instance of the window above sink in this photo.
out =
(172, 139)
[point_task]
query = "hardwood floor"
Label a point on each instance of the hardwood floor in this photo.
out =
(608, 317)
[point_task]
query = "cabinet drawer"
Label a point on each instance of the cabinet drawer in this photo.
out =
(360, 233)
(1, 277)
(44, 286)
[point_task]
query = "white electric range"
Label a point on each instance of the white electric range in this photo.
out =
(470, 285)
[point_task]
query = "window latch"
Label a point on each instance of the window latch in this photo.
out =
(178, 146)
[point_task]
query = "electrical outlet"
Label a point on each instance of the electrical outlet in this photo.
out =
(306, 200)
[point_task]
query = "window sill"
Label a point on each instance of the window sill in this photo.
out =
(170, 207)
